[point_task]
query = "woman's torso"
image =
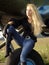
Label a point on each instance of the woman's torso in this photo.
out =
(26, 27)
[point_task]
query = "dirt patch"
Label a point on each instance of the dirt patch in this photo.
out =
(2, 63)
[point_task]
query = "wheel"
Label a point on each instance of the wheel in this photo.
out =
(33, 58)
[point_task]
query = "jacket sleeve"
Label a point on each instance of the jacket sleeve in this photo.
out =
(5, 30)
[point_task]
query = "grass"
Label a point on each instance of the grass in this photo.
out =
(42, 47)
(2, 53)
(2, 59)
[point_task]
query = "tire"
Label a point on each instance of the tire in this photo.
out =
(34, 56)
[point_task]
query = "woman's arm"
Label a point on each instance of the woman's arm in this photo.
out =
(14, 22)
(6, 27)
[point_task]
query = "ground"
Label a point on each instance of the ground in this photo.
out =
(2, 63)
(42, 46)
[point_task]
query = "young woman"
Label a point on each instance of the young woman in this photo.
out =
(32, 26)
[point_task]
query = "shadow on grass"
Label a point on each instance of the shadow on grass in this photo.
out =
(47, 64)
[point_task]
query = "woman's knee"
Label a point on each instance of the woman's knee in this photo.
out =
(10, 29)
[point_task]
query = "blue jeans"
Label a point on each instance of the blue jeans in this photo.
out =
(26, 43)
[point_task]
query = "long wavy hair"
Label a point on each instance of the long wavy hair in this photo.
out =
(37, 21)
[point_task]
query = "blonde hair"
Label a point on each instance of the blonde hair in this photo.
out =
(36, 20)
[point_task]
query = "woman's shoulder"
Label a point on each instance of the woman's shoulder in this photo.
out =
(18, 19)
(25, 17)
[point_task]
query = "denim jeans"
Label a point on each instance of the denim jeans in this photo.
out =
(26, 43)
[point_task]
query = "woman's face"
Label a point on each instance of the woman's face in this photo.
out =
(29, 11)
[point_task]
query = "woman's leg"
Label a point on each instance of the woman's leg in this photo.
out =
(8, 42)
(28, 45)
(15, 35)
(11, 32)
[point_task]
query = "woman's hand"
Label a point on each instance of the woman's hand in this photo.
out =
(10, 22)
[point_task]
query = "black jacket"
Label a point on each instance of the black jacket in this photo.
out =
(26, 26)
